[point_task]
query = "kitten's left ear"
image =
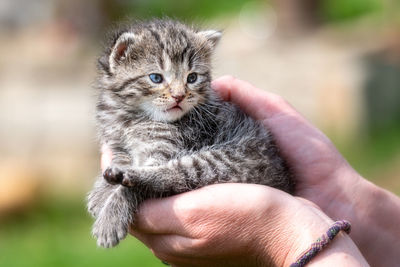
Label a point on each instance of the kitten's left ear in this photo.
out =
(212, 36)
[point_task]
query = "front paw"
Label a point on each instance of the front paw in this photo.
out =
(131, 178)
(109, 234)
(126, 177)
(114, 175)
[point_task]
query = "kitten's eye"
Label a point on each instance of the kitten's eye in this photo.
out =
(192, 77)
(156, 78)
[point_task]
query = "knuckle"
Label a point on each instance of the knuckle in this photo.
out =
(277, 102)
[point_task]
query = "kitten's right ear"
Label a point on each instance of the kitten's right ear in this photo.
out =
(120, 49)
(212, 36)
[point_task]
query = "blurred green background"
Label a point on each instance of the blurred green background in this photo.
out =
(336, 61)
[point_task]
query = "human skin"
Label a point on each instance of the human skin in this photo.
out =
(322, 176)
(238, 225)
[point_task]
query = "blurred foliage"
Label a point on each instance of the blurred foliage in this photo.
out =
(330, 10)
(370, 153)
(57, 233)
(342, 10)
(378, 145)
(188, 9)
(382, 92)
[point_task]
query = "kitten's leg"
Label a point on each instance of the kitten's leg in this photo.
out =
(115, 216)
(113, 205)
(102, 189)
(209, 167)
(97, 197)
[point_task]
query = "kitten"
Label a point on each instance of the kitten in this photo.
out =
(168, 130)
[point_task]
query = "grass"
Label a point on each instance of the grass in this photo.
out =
(57, 233)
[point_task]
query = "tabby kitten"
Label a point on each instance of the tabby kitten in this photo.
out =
(168, 131)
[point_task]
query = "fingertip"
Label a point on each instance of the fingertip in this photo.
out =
(223, 86)
(233, 89)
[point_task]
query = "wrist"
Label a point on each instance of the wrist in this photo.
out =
(339, 251)
(295, 227)
(345, 192)
(305, 234)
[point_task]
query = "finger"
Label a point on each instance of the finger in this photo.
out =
(185, 214)
(255, 102)
(159, 216)
(169, 248)
(177, 214)
(181, 213)
(106, 157)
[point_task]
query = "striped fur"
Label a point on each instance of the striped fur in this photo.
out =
(160, 152)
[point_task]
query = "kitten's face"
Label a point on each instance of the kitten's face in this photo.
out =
(161, 68)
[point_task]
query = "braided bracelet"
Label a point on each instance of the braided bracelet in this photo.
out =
(322, 242)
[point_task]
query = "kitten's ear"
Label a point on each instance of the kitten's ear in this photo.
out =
(212, 36)
(121, 48)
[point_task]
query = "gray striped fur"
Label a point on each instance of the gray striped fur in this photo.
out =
(156, 152)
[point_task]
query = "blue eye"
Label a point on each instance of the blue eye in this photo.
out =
(156, 78)
(192, 77)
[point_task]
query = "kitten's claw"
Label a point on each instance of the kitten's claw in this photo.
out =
(113, 175)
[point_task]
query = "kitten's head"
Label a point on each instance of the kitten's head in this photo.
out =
(160, 68)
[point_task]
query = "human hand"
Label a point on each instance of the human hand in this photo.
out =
(322, 174)
(237, 225)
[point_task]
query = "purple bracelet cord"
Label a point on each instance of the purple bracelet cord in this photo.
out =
(322, 242)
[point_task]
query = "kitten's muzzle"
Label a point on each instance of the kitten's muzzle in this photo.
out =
(178, 98)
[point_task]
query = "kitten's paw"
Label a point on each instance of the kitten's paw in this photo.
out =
(131, 178)
(109, 235)
(113, 175)
(126, 177)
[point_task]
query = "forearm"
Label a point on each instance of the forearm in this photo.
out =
(374, 215)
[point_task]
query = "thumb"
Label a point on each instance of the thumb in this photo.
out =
(255, 102)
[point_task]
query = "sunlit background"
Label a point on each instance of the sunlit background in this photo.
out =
(336, 61)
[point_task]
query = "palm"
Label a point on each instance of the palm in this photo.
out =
(310, 154)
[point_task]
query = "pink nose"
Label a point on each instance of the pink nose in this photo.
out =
(178, 98)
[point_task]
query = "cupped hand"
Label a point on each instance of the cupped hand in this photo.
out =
(232, 225)
(322, 174)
